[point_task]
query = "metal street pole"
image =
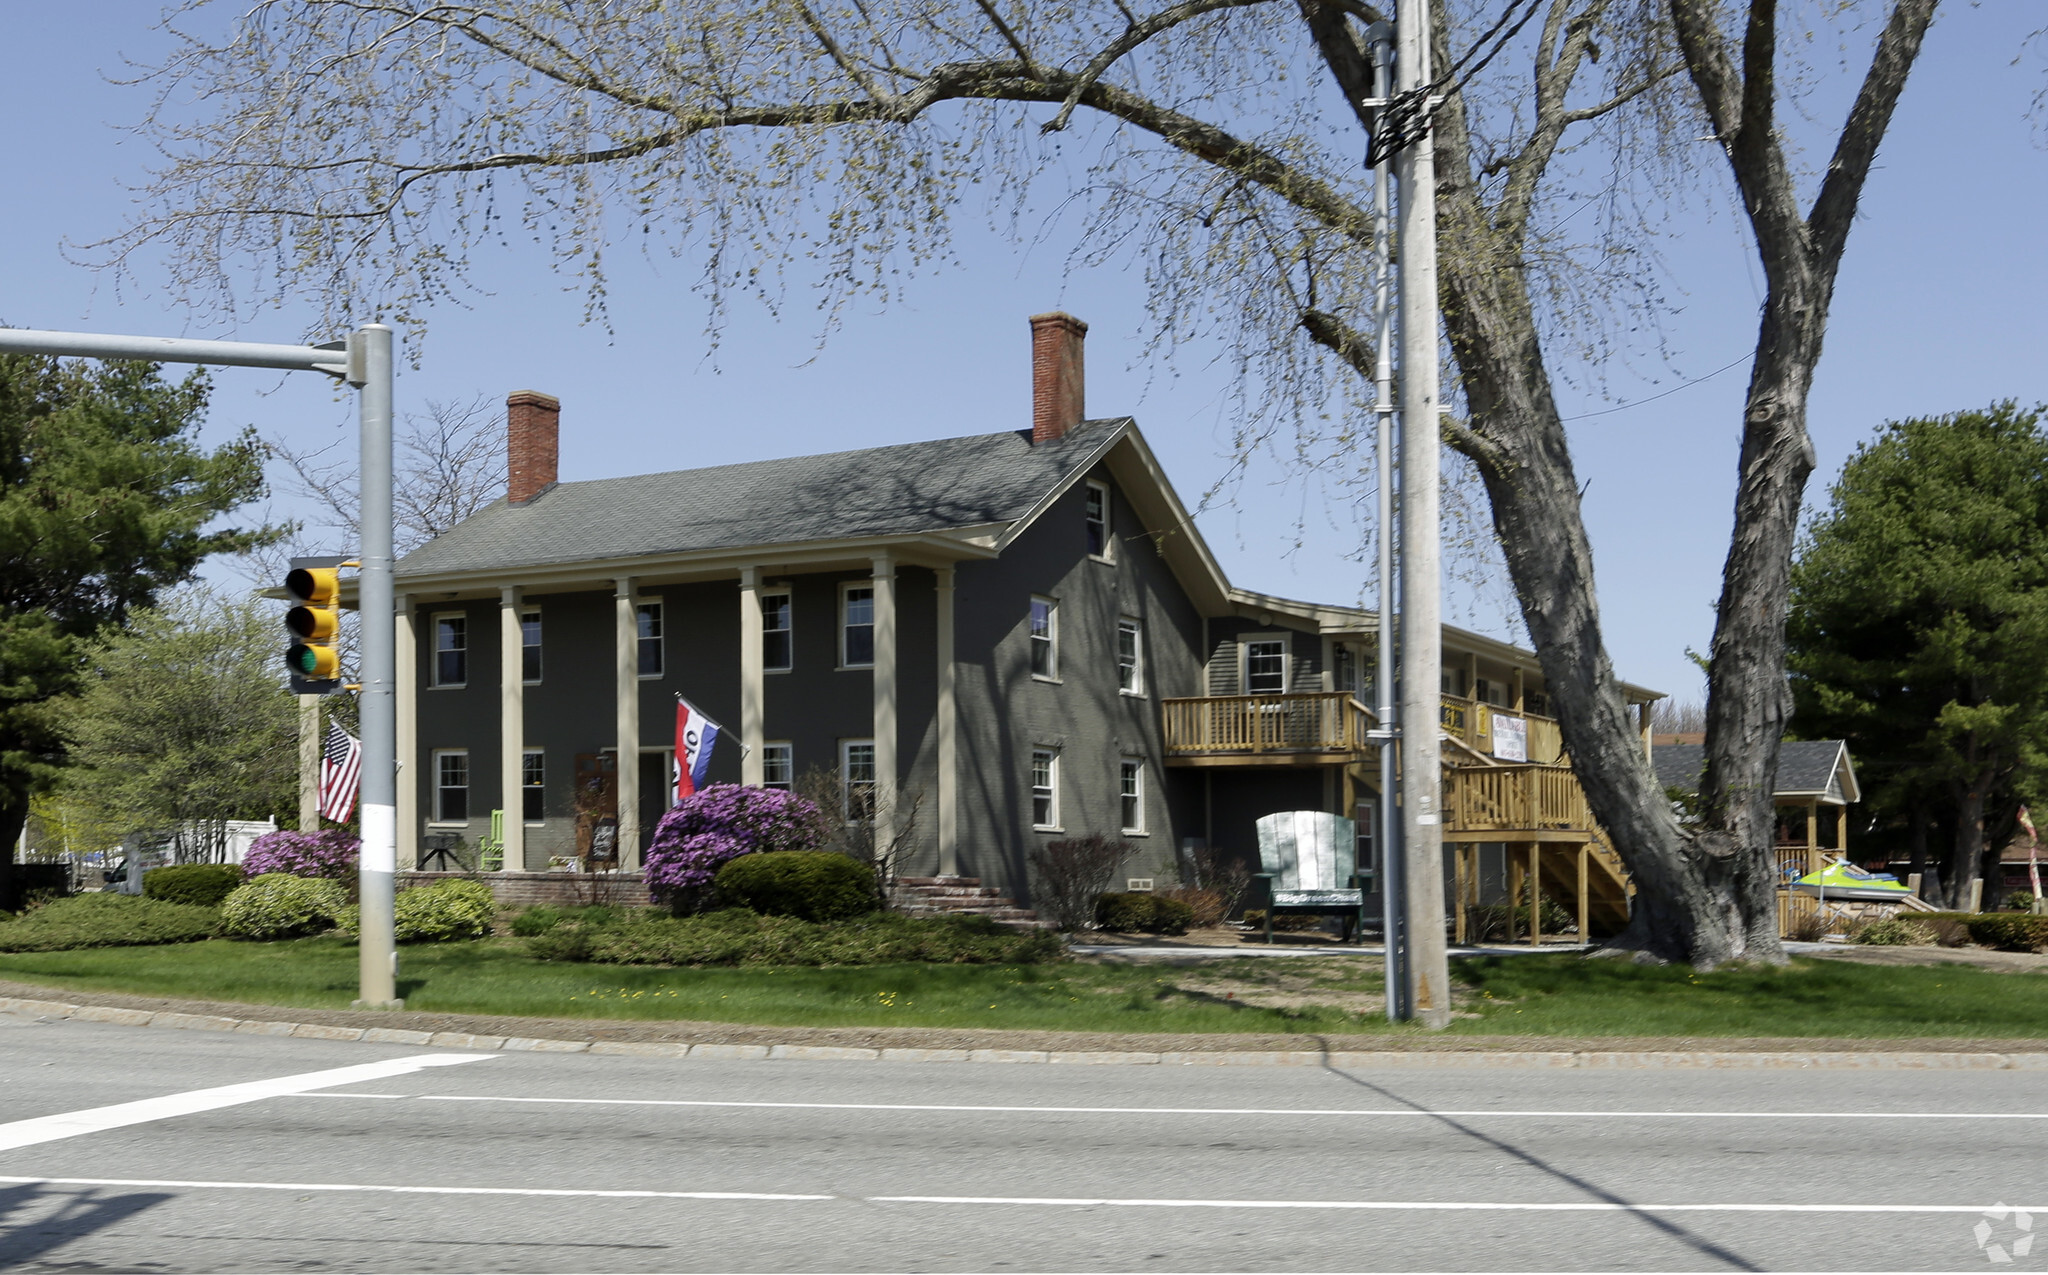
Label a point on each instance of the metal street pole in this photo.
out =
(1421, 540)
(364, 361)
(1393, 910)
(369, 349)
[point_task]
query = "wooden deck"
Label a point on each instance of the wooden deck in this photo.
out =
(1316, 728)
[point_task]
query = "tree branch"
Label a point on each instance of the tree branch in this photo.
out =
(1834, 209)
(1134, 36)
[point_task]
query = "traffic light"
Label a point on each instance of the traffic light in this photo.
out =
(314, 655)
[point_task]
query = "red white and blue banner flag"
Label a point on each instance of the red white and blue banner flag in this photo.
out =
(341, 773)
(696, 734)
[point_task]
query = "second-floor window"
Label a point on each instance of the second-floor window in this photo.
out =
(857, 627)
(451, 650)
(1130, 674)
(776, 651)
(648, 617)
(529, 646)
(1265, 667)
(1045, 638)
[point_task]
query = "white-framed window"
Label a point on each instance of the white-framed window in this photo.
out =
(1265, 666)
(1366, 816)
(451, 785)
(533, 786)
(857, 777)
(857, 626)
(1045, 638)
(451, 649)
(1130, 787)
(1045, 788)
(529, 645)
(647, 619)
(778, 766)
(1130, 656)
(778, 652)
(1097, 519)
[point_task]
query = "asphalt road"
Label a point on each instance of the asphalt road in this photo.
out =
(243, 1153)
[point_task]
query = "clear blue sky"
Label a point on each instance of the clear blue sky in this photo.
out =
(1937, 310)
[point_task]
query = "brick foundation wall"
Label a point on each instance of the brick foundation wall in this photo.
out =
(524, 889)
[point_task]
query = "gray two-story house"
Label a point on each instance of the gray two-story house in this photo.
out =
(1020, 634)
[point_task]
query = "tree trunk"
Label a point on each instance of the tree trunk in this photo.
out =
(1967, 854)
(1917, 865)
(13, 818)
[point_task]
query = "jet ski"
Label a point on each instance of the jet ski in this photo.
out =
(1849, 883)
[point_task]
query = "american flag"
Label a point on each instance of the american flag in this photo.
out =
(341, 770)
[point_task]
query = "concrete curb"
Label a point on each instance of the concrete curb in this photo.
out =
(1365, 1059)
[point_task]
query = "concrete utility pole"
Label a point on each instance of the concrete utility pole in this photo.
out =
(1421, 540)
(364, 361)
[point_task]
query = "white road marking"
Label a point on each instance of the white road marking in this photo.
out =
(27, 1133)
(416, 1190)
(1410, 1112)
(1040, 1201)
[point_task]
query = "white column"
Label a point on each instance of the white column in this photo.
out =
(511, 724)
(752, 679)
(628, 782)
(949, 738)
(406, 672)
(887, 777)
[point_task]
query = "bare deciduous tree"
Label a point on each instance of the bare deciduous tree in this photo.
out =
(371, 146)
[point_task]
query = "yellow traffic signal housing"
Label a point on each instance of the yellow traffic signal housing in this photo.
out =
(312, 657)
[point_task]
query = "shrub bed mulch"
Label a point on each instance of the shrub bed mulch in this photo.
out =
(714, 1033)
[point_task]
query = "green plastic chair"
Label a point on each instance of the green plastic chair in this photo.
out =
(491, 850)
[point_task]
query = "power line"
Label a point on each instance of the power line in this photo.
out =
(1623, 407)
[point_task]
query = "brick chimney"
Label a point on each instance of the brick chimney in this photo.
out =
(1057, 401)
(533, 428)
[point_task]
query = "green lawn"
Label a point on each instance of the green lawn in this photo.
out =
(1552, 995)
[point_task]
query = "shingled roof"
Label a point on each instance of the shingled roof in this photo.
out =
(945, 485)
(1806, 768)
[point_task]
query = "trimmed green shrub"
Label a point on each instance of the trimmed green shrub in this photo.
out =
(105, 920)
(200, 885)
(543, 917)
(737, 936)
(1149, 913)
(1894, 931)
(278, 905)
(2007, 931)
(444, 911)
(810, 885)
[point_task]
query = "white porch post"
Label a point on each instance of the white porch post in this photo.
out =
(949, 741)
(407, 675)
(627, 783)
(511, 725)
(886, 775)
(752, 678)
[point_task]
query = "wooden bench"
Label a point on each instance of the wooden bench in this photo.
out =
(1310, 864)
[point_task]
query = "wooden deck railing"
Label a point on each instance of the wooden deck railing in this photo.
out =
(1472, 721)
(1317, 722)
(1511, 797)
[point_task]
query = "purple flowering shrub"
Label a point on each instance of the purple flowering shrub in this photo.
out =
(330, 855)
(720, 823)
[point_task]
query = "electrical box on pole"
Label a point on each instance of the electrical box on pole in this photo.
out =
(313, 653)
